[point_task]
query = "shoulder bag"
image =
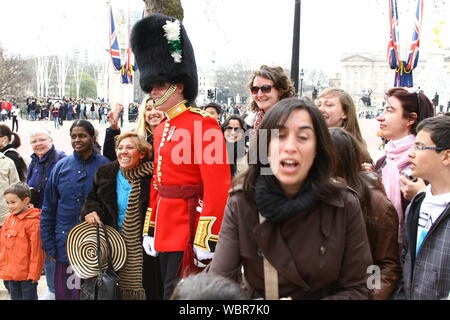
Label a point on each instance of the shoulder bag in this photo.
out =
(105, 285)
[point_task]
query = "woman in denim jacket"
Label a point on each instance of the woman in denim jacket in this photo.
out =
(65, 192)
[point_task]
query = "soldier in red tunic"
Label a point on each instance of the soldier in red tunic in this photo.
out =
(191, 174)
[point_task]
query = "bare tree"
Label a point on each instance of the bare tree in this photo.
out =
(234, 79)
(15, 75)
(171, 8)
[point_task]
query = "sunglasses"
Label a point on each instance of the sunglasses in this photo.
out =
(417, 93)
(264, 89)
(232, 128)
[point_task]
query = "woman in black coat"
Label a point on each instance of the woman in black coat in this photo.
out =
(120, 198)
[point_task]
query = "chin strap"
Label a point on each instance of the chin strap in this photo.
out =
(166, 95)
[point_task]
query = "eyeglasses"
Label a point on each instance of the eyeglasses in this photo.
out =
(264, 89)
(232, 128)
(438, 149)
(417, 92)
(38, 141)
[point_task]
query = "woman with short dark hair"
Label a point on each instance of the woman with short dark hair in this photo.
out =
(67, 187)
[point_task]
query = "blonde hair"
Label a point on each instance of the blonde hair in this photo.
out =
(143, 129)
(141, 143)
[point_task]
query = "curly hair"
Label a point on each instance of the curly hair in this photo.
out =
(280, 79)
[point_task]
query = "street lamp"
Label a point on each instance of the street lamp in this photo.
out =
(296, 45)
(301, 82)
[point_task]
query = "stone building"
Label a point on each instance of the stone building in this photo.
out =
(362, 72)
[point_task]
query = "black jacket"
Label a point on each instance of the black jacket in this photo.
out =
(103, 200)
(103, 196)
(109, 148)
(20, 164)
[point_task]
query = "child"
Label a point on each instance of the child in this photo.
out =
(21, 254)
(426, 252)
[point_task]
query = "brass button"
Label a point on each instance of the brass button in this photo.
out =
(322, 250)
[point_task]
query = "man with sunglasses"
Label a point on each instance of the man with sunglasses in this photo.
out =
(191, 176)
(426, 252)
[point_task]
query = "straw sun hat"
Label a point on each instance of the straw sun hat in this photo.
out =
(82, 249)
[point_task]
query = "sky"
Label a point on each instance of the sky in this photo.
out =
(223, 32)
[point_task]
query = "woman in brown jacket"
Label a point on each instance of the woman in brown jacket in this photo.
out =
(379, 213)
(310, 230)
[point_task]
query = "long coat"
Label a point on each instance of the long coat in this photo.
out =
(320, 254)
(103, 200)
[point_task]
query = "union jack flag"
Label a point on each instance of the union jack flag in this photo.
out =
(393, 45)
(128, 68)
(114, 44)
(413, 56)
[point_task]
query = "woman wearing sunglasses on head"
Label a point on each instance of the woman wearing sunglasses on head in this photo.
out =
(289, 213)
(268, 85)
(403, 111)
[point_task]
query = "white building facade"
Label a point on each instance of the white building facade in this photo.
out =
(362, 72)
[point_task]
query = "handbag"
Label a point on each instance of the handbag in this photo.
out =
(105, 286)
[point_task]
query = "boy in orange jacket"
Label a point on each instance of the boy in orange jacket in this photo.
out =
(21, 254)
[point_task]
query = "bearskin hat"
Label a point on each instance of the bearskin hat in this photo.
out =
(154, 54)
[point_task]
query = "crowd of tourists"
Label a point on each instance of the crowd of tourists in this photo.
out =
(280, 199)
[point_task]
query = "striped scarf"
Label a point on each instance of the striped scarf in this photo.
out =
(130, 283)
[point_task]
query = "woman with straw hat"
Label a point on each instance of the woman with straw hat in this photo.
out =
(120, 198)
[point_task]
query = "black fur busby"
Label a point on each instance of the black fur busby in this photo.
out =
(153, 56)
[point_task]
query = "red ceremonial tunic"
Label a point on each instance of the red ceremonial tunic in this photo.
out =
(189, 150)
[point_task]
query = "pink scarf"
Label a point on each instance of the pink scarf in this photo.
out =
(396, 161)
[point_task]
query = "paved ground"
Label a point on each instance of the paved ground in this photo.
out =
(61, 139)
